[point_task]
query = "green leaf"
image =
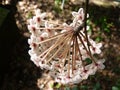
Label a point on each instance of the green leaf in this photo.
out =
(51, 85)
(67, 88)
(58, 85)
(118, 83)
(57, 3)
(29, 15)
(98, 39)
(83, 87)
(107, 30)
(97, 86)
(115, 88)
(88, 60)
(75, 88)
(3, 14)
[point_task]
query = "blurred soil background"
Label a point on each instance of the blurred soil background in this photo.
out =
(17, 70)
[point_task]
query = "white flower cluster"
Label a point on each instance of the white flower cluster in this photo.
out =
(63, 49)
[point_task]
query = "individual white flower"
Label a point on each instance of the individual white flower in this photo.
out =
(84, 74)
(32, 42)
(66, 80)
(91, 69)
(32, 22)
(56, 65)
(84, 54)
(96, 47)
(100, 64)
(41, 37)
(33, 29)
(39, 17)
(77, 79)
(49, 28)
(44, 35)
(34, 46)
(79, 15)
(44, 66)
(35, 60)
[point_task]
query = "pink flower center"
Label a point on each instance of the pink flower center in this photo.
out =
(57, 65)
(94, 49)
(74, 69)
(42, 62)
(41, 38)
(68, 77)
(49, 30)
(38, 19)
(96, 64)
(34, 29)
(80, 17)
(85, 71)
(34, 45)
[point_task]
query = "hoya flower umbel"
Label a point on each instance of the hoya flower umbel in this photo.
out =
(64, 49)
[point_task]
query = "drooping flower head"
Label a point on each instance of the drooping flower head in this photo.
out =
(64, 49)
